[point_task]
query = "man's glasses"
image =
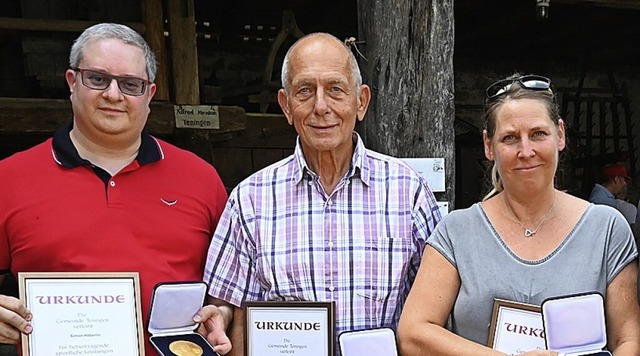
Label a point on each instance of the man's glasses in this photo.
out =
(531, 82)
(100, 81)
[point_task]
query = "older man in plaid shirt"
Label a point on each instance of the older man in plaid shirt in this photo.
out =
(332, 222)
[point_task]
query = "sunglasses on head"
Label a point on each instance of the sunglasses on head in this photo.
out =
(531, 82)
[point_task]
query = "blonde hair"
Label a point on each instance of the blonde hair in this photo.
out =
(515, 91)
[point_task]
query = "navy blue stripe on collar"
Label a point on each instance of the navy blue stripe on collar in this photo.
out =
(67, 155)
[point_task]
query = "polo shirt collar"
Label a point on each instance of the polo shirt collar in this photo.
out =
(359, 165)
(66, 154)
(606, 191)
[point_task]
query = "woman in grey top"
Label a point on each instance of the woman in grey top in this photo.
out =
(525, 242)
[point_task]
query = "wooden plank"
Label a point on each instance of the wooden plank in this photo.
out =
(620, 4)
(33, 115)
(47, 115)
(184, 54)
(233, 164)
(12, 23)
(237, 163)
(153, 19)
(263, 131)
(263, 157)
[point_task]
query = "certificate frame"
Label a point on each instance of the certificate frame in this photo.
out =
(83, 308)
(508, 321)
(263, 339)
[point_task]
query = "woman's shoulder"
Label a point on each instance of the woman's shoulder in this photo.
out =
(468, 215)
(570, 206)
(604, 212)
(589, 215)
(580, 207)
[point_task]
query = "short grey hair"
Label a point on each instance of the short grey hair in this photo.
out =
(356, 76)
(113, 31)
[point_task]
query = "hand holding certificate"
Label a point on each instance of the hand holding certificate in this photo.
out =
(82, 313)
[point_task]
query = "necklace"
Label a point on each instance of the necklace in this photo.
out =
(529, 232)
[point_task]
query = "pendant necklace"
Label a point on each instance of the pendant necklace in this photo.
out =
(529, 232)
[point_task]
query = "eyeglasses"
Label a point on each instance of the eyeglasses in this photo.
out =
(100, 81)
(531, 82)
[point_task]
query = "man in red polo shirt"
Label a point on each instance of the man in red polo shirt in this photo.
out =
(101, 195)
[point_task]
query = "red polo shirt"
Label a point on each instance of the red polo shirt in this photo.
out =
(58, 213)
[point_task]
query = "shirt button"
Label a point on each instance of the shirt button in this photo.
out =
(112, 183)
(330, 202)
(330, 243)
(331, 288)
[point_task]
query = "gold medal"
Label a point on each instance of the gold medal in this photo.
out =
(185, 348)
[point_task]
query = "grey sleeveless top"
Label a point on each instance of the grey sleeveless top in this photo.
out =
(595, 251)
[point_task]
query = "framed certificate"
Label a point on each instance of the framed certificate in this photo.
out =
(515, 327)
(295, 328)
(82, 313)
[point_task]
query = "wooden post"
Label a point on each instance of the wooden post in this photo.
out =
(409, 49)
(184, 52)
(184, 56)
(153, 19)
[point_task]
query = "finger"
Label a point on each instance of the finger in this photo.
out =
(205, 313)
(11, 323)
(222, 345)
(13, 315)
(15, 305)
(9, 334)
(222, 350)
(217, 337)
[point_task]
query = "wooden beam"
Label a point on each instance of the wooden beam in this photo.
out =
(263, 131)
(412, 108)
(184, 53)
(47, 115)
(153, 19)
(620, 4)
(19, 24)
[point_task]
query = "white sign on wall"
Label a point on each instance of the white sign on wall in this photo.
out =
(443, 207)
(432, 169)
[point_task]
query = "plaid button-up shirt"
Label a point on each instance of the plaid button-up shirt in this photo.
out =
(282, 238)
